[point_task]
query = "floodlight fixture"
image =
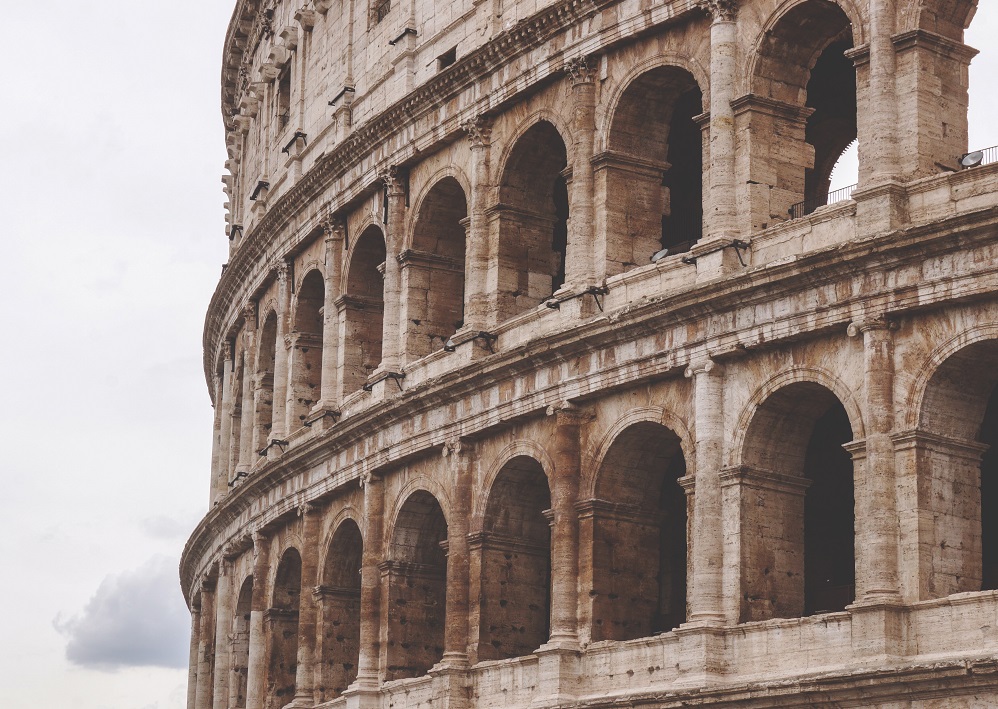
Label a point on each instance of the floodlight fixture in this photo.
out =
(659, 255)
(972, 159)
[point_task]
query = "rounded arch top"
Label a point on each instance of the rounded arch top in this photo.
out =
(597, 452)
(366, 252)
(541, 120)
(672, 62)
(748, 420)
(519, 448)
(945, 17)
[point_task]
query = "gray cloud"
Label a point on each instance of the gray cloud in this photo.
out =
(136, 619)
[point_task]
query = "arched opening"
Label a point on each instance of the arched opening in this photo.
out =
(515, 552)
(363, 307)
(240, 645)
(638, 523)
(282, 621)
(306, 352)
(264, 384)
(803, 67)
(433, 270)
(417, 588)
(340, 612)
(796, 495)
(956, 463)
(532, 222)
(651, 177)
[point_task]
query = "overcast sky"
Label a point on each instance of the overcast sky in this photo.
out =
(112, 148)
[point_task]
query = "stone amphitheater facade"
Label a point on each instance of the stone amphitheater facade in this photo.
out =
(547, 373)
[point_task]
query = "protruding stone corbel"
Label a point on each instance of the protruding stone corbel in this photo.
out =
(719, 10)
(289, 38)
(306, 17)
(322, 6)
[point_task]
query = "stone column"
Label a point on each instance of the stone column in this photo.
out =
(368, 671)
(565, 531)
(256, 672)
(720, 210)
(334, 230)
(216, 443)
(206, 647)
(706, 596)
(394, 238)
(476, 297)
(192, 662)
(246, 452)
(458, 458)
(223, 624)
(280, 425)
(878, 152)
(579, 267)
(223, 473)
(876, 495)
(307, 606)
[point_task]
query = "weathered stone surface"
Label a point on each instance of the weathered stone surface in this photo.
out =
(475, 447)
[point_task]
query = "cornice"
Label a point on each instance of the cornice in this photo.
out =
(765, 283)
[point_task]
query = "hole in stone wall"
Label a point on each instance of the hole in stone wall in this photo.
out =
(340, 611)
(363, 309)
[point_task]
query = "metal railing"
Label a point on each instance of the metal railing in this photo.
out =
(989, 156)
(802, 209)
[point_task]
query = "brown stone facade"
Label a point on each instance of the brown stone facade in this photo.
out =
(545, 374)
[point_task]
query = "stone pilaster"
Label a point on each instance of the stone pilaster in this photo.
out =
(224, 471)
(223, 624)
(706, 597)
(246, 451)
(364, 691)
(280, 425)
(568, 420)
(334, 230)
(476, 298)
(192, 662)
(394, 238)
(256, 674)
(458, 457)
(206, 648)
(216, 490)
(876, 494)
(311, 517)
(579, 267)
(720, 210)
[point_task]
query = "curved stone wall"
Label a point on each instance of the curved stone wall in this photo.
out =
(544, 373)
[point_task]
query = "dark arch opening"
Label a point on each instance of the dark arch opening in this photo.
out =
(306, 357)
(515, 550)
(532, 220)
(417, 588)
(638, 523)
(364, 310)
(796, 492)
(653, 171)
(433, 270)
(282, 618)
(802, 64)
(340, 611)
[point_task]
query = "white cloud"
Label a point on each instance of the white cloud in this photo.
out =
(135, 619)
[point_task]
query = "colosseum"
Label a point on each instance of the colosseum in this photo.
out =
(547, 371)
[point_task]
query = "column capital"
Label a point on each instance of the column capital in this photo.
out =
(703, 366)
(871, 324)
(333, 228)
(306, 509)
(455, 446)
(479, 130)
(582, 70)
(391, 176)
(568, 414)
(367, 479)
(248, 311)
(283, 269)
(719, 10)
(227, 351)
